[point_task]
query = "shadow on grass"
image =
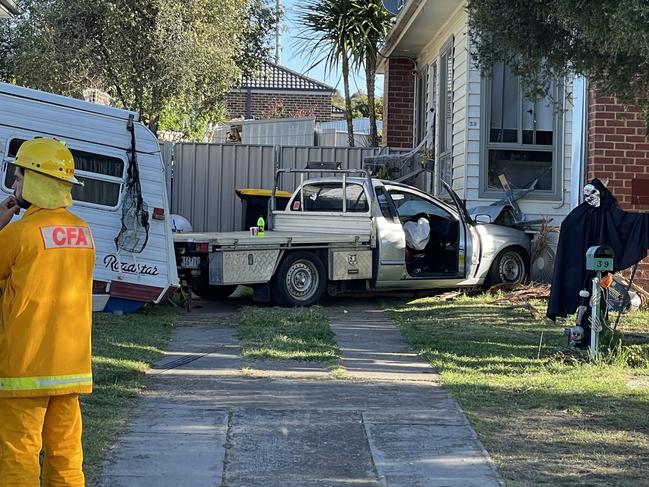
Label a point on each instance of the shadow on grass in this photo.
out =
(545, 422)
(549, 438)
(123, 347)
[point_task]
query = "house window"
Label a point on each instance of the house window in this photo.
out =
(101, 175)
(445, 142)
(524, 138)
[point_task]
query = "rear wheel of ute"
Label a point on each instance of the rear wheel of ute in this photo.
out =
(214, 293)
(299, 281)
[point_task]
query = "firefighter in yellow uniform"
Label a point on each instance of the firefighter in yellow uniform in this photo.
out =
(46, 264)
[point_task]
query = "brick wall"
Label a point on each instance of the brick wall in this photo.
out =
(399, 103)
(619, 150)
(279, 105)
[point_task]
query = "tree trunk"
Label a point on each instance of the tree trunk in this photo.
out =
(370, 79)
(153, 124)
(348, 102)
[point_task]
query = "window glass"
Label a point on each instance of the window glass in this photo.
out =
(422, 103)
(504, 105)
(408, 205)
(431, 115)
(109, 166)
(521, 167)
(384, 204)
(538, 120)
(95, 190)
(329, 197)
(446, 99)
(521, 135)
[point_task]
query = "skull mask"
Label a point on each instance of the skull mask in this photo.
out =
(576, 334)
(592, 196)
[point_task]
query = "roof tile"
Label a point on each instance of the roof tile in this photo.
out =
(272, 76)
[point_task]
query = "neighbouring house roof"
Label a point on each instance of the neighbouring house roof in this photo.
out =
(272, 76)
(337, 110)
(8, 8)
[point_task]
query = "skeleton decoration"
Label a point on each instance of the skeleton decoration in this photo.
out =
(576, 335)
(592, 196)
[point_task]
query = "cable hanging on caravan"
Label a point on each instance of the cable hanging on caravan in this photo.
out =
(135, 214)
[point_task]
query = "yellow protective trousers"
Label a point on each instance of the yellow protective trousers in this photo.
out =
(29, 424)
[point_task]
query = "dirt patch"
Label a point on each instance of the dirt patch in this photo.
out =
(638, 382)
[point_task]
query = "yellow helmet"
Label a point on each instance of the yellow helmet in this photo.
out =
(49, 157)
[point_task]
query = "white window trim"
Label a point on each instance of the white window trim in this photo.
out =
(441, 115)
(422, 91)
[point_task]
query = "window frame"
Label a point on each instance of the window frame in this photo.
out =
(393, 216)
(80, 173)
(486, 145)
(443, 207)
(432, 104)
(343, 186)
(423, 103)
(444, 115)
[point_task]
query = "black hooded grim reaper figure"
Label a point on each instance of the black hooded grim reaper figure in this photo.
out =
(599, 220)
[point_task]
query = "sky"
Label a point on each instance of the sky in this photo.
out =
(292, 59)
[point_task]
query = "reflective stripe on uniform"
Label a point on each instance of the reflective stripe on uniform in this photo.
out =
(47, 382)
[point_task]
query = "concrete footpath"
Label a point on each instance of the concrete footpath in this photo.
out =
(210, 419)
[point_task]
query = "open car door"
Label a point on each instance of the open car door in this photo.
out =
(472, 240)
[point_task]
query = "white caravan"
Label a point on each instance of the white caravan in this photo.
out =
(139, 266)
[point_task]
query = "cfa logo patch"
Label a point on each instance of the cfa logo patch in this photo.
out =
(64, 237)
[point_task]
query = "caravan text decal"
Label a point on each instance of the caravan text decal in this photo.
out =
(111, 262)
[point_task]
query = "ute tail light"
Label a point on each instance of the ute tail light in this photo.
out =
(158, 213)
(202, 247)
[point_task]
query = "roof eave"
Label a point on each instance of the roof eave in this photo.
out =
(416, 25)
(392, 39)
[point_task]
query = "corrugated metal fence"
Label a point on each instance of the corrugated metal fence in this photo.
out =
(205, 176)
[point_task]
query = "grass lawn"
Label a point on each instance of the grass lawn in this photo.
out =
(287, 334)
(551, 420)
(122, 347)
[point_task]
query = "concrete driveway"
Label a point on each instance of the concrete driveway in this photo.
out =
(210, 419)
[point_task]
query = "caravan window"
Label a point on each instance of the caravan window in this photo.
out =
(102, 176)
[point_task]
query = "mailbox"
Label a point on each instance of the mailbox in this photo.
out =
(600, 258)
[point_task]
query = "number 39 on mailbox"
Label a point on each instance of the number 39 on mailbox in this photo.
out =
(600, 258)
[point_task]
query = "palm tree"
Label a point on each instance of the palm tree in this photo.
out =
(372, 23)
(328, 36)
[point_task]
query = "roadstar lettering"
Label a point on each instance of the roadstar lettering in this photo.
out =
(111, 262)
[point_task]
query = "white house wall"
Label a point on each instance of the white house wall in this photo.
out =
(467, 154)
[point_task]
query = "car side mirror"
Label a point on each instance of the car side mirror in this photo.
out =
(482, 218)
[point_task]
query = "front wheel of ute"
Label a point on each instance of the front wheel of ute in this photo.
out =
(299, 281)
(509, 267)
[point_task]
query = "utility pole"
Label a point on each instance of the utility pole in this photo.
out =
(277, 37)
